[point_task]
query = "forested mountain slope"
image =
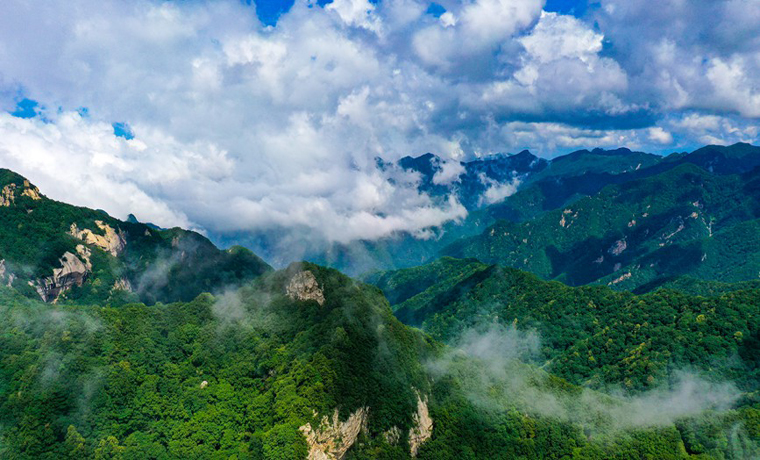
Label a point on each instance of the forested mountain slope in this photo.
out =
(540, 186)
(59, 252)
(306, 362)
(591, 336)
(685, 221)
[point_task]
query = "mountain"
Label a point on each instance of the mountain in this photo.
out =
(533, 187)
(540, 185)
(307, 363)
(58, 252)
(684, 221)
(734, 159)
(475, 177)
(591, 336)
(478, 176)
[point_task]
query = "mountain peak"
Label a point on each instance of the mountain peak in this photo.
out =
(426, 164)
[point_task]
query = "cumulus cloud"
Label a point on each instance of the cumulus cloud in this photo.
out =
(82, 162)
(713, 129)
(688, 55)
(240, 126)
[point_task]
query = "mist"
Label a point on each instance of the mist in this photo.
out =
(498, 367)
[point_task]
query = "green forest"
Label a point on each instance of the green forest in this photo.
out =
(236, 375)
(594, 315)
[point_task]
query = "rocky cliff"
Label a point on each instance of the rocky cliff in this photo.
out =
(423, 426)
(10, 191)
(332, 438)
(111, 241)
(73, 272)
(304, 286)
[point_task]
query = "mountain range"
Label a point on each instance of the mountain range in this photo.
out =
(540, 186)
(606, 309)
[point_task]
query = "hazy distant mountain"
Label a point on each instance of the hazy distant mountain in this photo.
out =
(685, 221)
(543, 187)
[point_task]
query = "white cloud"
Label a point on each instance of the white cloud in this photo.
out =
(714, 129)
(734, 86)
(449, 173)
(240, 126)
(357, 13)
(559, 70)
(82, 162)
(688, 55)
(448, 19)
(496, 191)
(473, 32)
(660, 136)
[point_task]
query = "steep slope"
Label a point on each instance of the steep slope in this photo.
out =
(541, 185)
(631, 234)
(583, 173)
(304, 359)
(302, 363)
(475, 177)
(590, 335)
(60, 252)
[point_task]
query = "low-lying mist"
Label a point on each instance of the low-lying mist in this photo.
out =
(497, 367)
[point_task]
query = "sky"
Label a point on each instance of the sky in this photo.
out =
(230, 116)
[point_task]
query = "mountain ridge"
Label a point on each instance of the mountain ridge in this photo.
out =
(60, 251)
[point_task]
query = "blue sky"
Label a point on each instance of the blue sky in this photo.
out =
(270, 10)
(171, 108)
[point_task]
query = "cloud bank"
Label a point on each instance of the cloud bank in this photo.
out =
(241, 126)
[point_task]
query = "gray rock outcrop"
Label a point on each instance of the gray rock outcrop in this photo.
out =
(73, 272)
(112, 242)
(332, 438)
(304, 286)
(422, 429)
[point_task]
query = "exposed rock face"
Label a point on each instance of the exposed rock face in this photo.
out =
(392, 436)
(304, 286)
(5, 275)
(112, 242)
(332, 439)
(85, 253)
(620, 279)
(423, 426)
(8, 195)
(72, 273)
(31, 191)
(122, 284)
(618, 247)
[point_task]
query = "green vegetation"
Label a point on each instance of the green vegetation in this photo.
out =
(159, 265)
(546, 187)
(591, 336)
(236, 376)
(136, 360)
(96, 381)
(685, 221)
